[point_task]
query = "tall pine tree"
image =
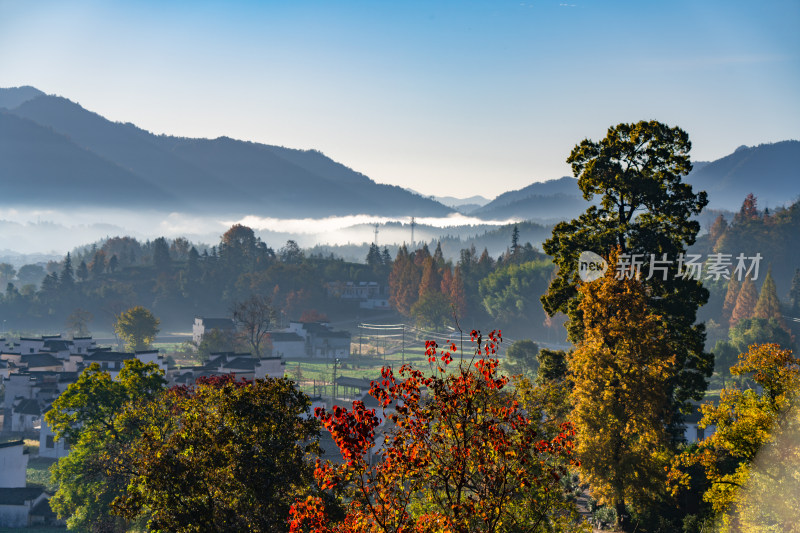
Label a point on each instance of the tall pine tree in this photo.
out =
(768, 305)
(745, 302)
(730, 299)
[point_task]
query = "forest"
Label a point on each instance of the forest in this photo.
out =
(479, 435)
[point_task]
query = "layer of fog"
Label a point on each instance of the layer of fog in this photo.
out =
(45, 232)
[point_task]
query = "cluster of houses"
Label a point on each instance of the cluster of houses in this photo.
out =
(298, 340)
(34, 371)
(368, 294)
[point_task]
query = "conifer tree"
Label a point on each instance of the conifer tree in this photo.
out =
(374, 256)
(745, 302)
(794, 292)
(717, 230)
(458, 295)
(67, 278)
(768, 305)
(431, 281)
(404, 280)
(83, 271)
(730, 299)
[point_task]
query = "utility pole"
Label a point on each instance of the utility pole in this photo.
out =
(335, 363)
(404, 345)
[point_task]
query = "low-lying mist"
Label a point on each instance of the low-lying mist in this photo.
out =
(57, 231)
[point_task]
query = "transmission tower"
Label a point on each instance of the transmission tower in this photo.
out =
(376, 234)
(413, 223)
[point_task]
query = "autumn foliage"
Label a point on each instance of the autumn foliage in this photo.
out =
(451, 450)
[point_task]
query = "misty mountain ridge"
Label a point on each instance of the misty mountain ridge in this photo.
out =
(54, 154)
(768, 170)
(221, 175)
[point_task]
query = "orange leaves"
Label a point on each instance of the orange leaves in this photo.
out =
(353, 431)
(459, 449)
(308, 516)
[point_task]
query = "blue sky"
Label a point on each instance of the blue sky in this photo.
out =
(459, 98)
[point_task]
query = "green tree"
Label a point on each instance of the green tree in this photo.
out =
(67, 277)
(794, 292)
(78, 322)
(759, 331)
(215, 341)
(7, 272)
(83, 271)
(374, 256)
(645, 208)
(515, 246)
(432, 310)
(291, 253)
(112, 263)
(522, 356)
(88, 415)
(31, 274)
(138, 327)
(161, 258)
(222, 456)
(511, 293)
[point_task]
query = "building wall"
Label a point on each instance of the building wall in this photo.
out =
(289, 349)
(49, 446)
(14, 515)
(13, 467)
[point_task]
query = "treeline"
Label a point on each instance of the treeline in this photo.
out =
(177, 279)
(760, 307)
(477, 289)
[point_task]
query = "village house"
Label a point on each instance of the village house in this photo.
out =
(369, 294)
(20, 505)
(321, 340)
(287, 344)
(203, 324)
(241, 365)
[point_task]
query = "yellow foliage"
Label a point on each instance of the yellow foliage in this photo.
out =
(752, 460)
(620, 374)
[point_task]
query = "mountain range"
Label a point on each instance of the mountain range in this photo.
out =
(53, 152)
(768, 170)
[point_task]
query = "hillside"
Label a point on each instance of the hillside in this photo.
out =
(40, 166)
(218, 175)
(546, 200)
(768, 170)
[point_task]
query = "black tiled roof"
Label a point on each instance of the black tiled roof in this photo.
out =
(28, 407)
(57, 345)
(102, 355)
(19, 496)
(11, 443)
(217, 323)
(242, 363)
(283, 336)
(38, 360)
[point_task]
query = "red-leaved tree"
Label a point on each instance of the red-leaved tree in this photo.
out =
(456, 452)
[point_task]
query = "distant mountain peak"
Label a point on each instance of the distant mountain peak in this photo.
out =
(13, 97)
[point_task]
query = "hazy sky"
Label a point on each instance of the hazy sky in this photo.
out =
(459, 98)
